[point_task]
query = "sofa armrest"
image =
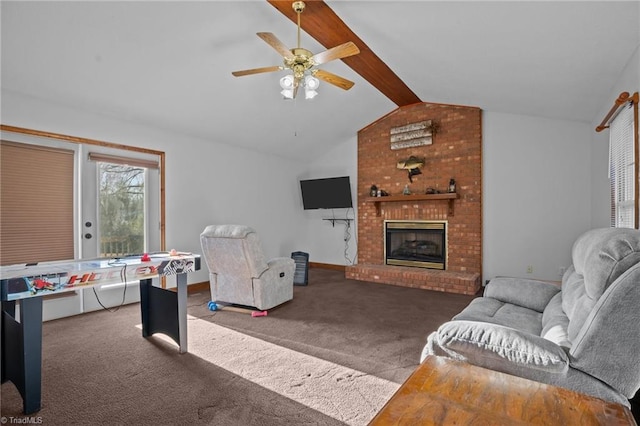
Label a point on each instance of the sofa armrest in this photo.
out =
(497, 347)
(532, 294)
(280, 269)
(281, 263)
(275, 284)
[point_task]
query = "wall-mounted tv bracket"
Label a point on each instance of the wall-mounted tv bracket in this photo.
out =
(334, 220)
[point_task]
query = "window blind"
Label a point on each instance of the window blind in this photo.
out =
(125, 161)
(36, 203)
(622, 168)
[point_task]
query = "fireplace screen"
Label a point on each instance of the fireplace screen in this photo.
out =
(419, 244)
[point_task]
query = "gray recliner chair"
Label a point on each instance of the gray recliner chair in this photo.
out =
(238, 271)
(583, 335)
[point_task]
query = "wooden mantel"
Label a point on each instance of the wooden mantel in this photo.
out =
(413, 197)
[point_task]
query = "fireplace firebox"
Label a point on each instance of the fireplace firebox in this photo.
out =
(421, 244)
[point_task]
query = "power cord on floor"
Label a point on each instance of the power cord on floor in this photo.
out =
(123, 278)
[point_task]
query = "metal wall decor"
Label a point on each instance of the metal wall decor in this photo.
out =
(412, 165)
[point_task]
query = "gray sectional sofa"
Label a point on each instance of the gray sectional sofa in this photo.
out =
(582, 335)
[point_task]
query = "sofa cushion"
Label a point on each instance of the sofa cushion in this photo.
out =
(532, 294)
(600, 256)
(233, 246)
(486, 309)
(478, 343)
(576, 303)
(227, 231)
(555, 323)
(608, 346)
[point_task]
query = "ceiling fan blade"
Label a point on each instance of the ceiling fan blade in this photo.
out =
(342, 51)
(336, 80)
(257, 71)
(274, 42)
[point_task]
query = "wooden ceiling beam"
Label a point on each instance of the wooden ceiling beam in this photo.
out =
(322, 23)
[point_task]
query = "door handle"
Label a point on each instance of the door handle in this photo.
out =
(88, 236)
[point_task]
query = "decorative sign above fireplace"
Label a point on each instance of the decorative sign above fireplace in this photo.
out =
(414, 134)
(422, 244)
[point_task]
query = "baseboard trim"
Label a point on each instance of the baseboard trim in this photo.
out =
(198, 287)
(341, 268)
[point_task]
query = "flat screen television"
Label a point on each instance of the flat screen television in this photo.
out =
(327, 193)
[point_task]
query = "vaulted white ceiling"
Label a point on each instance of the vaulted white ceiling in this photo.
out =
(168, 64)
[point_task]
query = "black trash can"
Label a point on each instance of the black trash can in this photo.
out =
(301, 274)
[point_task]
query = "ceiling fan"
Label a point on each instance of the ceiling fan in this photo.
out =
(303, 63)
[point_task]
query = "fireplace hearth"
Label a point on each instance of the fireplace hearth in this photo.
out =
(420, 244)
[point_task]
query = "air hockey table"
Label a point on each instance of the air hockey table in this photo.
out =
(162, 310)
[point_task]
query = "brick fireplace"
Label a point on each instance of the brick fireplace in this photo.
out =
(455, 152)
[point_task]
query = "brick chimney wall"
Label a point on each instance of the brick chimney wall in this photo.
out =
(456, 152)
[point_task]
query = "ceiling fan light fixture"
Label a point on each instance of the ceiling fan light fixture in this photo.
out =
(287, 93)
(286, 82)
(311, 82)
(309, 94)
(310, 85)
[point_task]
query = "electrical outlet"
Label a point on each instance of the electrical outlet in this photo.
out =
(530, 269)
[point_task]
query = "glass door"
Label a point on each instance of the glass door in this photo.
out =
(120, 210)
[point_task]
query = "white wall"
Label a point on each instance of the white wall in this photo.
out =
(324, 242)
(536, 193)
(207, 182)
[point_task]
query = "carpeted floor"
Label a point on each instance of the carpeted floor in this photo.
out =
(331, 356)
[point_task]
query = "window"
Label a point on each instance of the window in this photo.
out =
(121, 209)
(623, 167)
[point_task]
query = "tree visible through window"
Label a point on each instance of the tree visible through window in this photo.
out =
(121, 202)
